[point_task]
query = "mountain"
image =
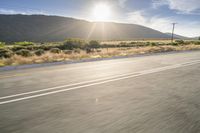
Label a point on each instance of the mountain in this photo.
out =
(179, 36)
(196, 38)
(55, 28)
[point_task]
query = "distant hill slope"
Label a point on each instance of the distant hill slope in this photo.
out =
(54, 28)
(179, 36)
(196, 38)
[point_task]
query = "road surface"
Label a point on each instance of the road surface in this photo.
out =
(150, 94)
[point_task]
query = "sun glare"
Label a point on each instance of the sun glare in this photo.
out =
(101, 12)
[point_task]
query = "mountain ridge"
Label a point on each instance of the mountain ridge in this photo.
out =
(55, 28)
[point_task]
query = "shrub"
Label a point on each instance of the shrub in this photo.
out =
(39, 52)
(5, 53)
(153, 44)
(89, 50)
(180, 41)
(31, 47)
(2, 44)
(25, 43)
(173, 44)
(67, 51)
(197, 42)
(24, 52)
(133, 43)
(122, 43)
(147, 43)
(46, 47)
(99, 50)
(17, 48)
(94, 44)
(55, 50)
(74, 44)
(78, 51)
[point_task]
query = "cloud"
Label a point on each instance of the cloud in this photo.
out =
(28, 12)
(181, 6)
(155, 22)
(188, 29)
(122, 3)
(164, 24)
(5, 11)
(136, 17)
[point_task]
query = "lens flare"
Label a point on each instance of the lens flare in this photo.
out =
(101, 12)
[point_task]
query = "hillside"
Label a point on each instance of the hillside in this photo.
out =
(196, 38)
(54, 28)
(179, 36)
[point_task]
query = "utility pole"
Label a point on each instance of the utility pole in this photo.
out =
(172, 39)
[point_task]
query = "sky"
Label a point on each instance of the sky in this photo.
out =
(156, 14)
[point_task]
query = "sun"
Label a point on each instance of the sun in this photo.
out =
(101, 12)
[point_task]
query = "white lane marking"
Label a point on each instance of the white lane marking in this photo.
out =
(145, 72)
(69, 85)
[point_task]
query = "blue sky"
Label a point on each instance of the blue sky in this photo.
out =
(157, 14)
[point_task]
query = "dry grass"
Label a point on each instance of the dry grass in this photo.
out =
(142, 40)
(104, 53)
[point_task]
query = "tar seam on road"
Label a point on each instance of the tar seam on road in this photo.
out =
(90, 83)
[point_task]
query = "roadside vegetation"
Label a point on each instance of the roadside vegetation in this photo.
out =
(19, 53)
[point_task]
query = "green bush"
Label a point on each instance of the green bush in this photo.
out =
(71, 44)
(5, 53)
(55, 50)
(25, 43)
(24, 52)
(153, 44)
(2, 44)
(39, 52)
(147, 43)
(180, 42)
(197, 42)
(133, 43)
(46, 47)
(94, 44)
(17, 48)
(67, 51)
(173, 44)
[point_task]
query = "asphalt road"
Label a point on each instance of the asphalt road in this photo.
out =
(150, 94)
